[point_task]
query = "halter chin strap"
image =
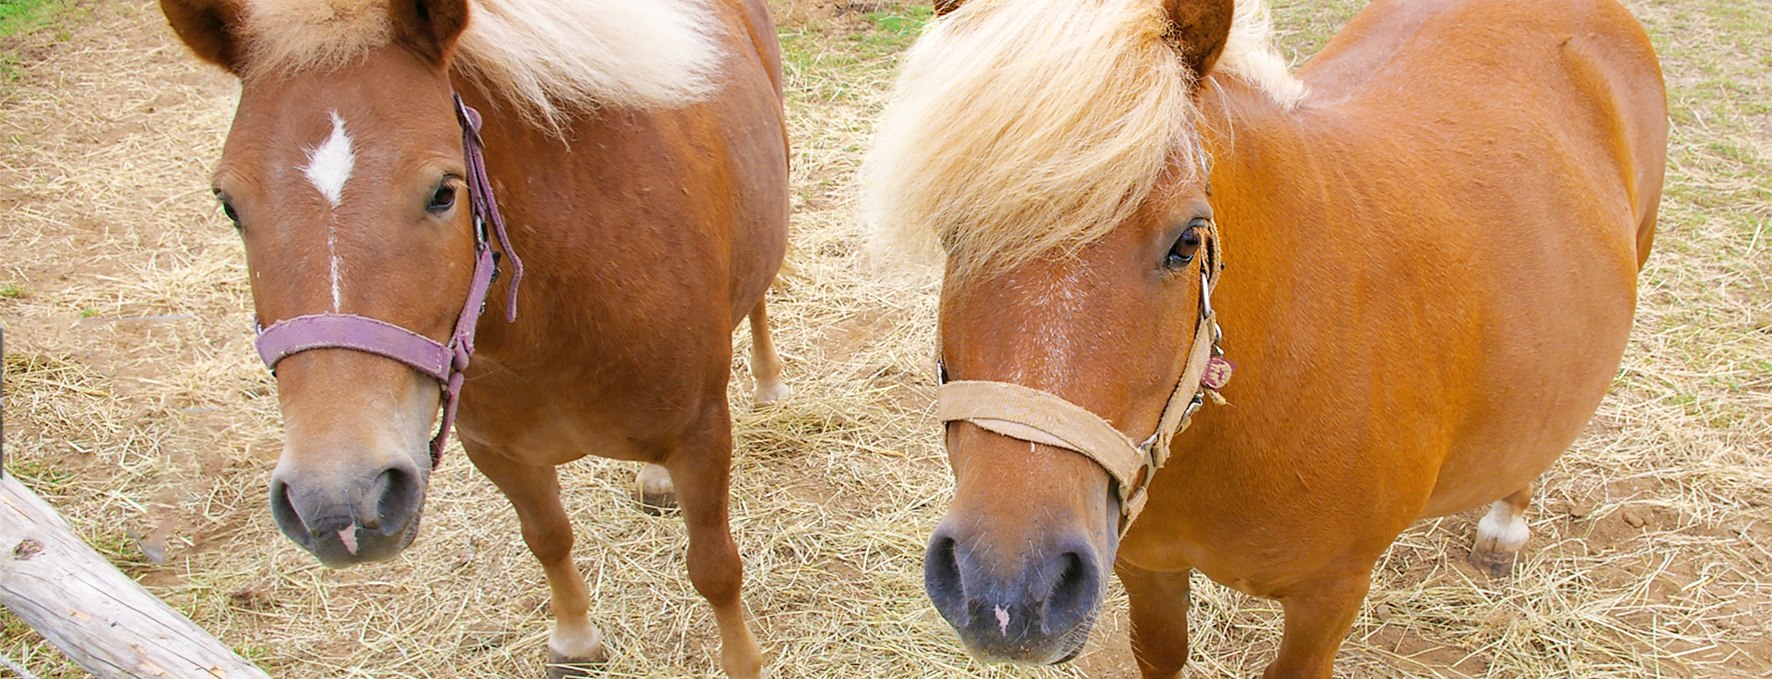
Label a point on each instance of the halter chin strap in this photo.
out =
(445, 363)
(1036, 416)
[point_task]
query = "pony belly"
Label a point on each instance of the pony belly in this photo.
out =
(1516, 434)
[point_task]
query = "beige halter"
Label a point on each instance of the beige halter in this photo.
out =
(1036, 416)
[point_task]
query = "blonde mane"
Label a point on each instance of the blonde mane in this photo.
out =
(552, 57)
(1019, 128)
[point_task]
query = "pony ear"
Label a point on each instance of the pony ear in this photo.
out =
(942, 7)
(430, 27)
(1199, 29)
(207, 27)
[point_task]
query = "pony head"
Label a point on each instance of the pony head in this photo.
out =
(343, 173)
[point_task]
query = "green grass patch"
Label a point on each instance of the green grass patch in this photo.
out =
(835, 60)
(892, 31)
(257, 654)
(115, 546)
(13, 291)
(12, 627)
(18, 17)
(39, 474)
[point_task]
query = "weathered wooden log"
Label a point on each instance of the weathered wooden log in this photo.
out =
(94, 613)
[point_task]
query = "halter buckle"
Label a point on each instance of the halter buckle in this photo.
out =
(1206, 296)
(1132, 505)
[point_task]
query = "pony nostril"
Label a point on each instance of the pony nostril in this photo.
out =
(397, 497)
(283, 511)
(378, 491)
(1075, 593)
(941, 579)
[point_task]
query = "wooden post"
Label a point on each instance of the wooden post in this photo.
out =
(94, 613)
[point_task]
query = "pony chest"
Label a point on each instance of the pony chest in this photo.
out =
(564, 415)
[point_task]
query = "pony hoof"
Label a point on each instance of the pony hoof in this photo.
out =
(659, 504)
(772, 392)
(745, 670)
(562, 667)
(1495, 564)
(654, 490)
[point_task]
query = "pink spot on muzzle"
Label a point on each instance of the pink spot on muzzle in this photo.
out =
(1002, 621)
(349, 537)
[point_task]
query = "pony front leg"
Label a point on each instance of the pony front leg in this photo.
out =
(1159, 619)
(1318, 617)
(534, 491)
(700, 466)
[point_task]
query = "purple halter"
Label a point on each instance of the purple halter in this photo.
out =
(445, 363)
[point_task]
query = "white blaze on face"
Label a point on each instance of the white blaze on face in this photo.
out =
(329, 167)
(330, 163)
(1002, 621)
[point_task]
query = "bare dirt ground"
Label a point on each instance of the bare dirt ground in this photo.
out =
(135, 403)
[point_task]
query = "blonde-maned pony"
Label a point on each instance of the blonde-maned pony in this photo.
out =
(1429, 241)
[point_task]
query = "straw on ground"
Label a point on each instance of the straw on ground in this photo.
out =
(135, 403)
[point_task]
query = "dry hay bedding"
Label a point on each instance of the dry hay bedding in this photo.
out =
(138, 408)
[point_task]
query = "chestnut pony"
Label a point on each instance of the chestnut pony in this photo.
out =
(1431, 237)
(639, 156)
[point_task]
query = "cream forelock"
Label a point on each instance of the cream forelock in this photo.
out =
(1019, 128)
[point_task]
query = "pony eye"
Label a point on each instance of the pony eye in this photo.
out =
(1178, 259)
(228, 209)
(443, 199)
(1186, 247)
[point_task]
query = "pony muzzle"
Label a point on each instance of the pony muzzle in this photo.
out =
(347, 518)
(1033, 607)
(1019, 566)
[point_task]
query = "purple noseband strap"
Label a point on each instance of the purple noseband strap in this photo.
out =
(445, 363)
(338, 331)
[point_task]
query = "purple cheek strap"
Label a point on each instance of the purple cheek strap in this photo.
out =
(447, 363)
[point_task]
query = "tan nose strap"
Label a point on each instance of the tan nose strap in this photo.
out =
(1036, 416)
(1028, 414)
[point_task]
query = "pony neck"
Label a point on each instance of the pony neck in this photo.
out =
(1272, 175)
